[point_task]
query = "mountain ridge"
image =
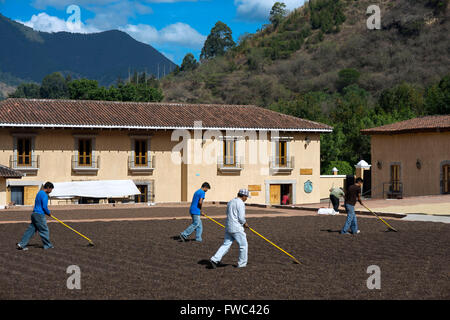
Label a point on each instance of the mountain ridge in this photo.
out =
(104, 56)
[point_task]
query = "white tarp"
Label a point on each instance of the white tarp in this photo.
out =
(326, 211)
(95, 189)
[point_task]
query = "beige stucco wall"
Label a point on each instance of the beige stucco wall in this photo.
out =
(225, 186)
(173, 182)
(432, 149)
(328, 182)
(56, 147)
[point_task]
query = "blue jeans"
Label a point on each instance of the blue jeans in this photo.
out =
(351, 220)
(39, 224)
(196, 226)
(241, 239)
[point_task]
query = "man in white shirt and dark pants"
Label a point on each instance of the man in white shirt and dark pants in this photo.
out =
(234, 231)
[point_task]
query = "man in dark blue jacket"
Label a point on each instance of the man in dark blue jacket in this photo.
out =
(196, 210)
(38, 220)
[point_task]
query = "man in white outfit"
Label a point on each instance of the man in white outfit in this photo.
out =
(234, 230)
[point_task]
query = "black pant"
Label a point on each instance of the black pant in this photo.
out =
(335, 202)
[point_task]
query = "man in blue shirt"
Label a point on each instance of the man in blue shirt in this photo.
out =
(38, 220)
(196, 211)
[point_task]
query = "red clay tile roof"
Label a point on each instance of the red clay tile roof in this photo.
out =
(6, 172)
(425, 124)
(106, 114)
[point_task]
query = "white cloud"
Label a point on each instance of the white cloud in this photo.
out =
(259, 10)
(178, 33)
(59, 4)
(47, 23)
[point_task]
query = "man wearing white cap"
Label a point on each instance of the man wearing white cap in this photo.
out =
(234, 230)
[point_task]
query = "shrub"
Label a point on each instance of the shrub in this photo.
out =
(347, 77)
(343, 166)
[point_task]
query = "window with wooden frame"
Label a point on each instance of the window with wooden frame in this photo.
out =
(24, 154)
(281, 154)
(395, 177)
(85, 152)
(140, 153)
(446, 179)
(229, 152)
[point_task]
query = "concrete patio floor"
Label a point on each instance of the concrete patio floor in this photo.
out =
(425, 205)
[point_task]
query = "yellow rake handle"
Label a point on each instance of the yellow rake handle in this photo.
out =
(65, 225)
(213, 220)
(387, 224)
(275, 246)
(257, 235)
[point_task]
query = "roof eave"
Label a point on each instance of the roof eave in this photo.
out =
(369, 132)
(73, 126)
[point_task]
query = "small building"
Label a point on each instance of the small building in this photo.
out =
(6, 173)
(167, 149)
(411, 158)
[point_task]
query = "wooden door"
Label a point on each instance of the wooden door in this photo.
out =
(143, 197)
(446, 178)
(275, 194)
(395, 178)
(29, 195)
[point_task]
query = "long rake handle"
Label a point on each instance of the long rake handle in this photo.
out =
(259, 235)
(65, 225)
(387, 224)
(275, 246)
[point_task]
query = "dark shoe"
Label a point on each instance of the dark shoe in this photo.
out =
(182, 238)
(19, 247)
(213, 264)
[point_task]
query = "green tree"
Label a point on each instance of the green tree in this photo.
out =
(351, 114)
(278, 13)
(326, 15)
(189, 63)
(27, 90)
(100, 93)
(347, 77)
(144, 93)
(404, 99)
(306, 106)
(218, 42)
(114, 93)
(344, 168)
(80, 89)
(437, 97)
(54, 86)
(139, 93)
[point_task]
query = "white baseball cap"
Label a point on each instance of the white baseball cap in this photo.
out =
(244, 192)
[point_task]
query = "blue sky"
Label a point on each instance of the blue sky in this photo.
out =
(174, 27)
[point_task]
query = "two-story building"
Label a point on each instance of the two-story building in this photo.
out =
(411, 158)
(167, 149)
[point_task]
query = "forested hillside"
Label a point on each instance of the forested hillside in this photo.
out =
(322, 63)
